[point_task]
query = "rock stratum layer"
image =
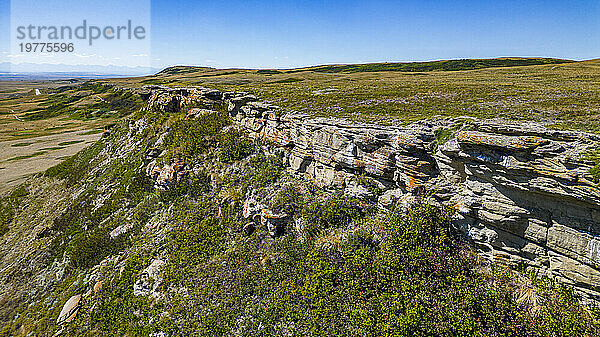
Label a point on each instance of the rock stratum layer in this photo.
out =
(523, 193)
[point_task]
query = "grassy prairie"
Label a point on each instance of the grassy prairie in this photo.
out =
(565, 95)
(39, 131)
(61, 108)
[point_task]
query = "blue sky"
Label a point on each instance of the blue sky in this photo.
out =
(283, 34)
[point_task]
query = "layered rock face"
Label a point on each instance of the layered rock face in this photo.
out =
(522, 192)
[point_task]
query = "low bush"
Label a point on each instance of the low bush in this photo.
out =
(118, 309)
(404, 275)
(188, 138)
(594, 156)
(76, 166)
(369, 183)
(192, 185)
(235, 145)
(196, 236)
(335, 211)
(263, 170)
(288, 200)
(82, 230)
(88, 249)
(54, 105)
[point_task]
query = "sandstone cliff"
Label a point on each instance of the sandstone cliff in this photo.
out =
(522, 192)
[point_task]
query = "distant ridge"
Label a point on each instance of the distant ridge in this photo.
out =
(47, 76)
(109, 70)
(445, 65)
(177, 70)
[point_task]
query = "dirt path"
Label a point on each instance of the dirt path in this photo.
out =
(24, 157)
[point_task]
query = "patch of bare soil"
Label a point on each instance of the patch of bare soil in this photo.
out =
(24, 157)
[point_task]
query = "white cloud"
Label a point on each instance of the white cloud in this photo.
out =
(83, 55)
(140, 55)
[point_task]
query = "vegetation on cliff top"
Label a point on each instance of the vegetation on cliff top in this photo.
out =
(594, 156)
(559, 93)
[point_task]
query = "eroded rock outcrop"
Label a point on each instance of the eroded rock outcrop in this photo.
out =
(522, 192)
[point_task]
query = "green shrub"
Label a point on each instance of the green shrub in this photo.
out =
(235, 145)
(55, 105)
(395, 274)
(595, 172)
(369, 183)
(594, 155)
(3, 228)
(75, 167)
(18, 193)
(443, 135)
(97, 88)
(122, 102)
(192, 185)
(411, 279)
(118, 309)
(196, 236)
(264, 170)
(335, 211)
(288, 199)
(560, 313)
(188, 138)
(88, 249)
(82, 229)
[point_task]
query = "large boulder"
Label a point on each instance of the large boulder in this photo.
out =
(69, 310)
(150, 280)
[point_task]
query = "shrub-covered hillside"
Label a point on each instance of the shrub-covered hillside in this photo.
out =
(177, 225)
